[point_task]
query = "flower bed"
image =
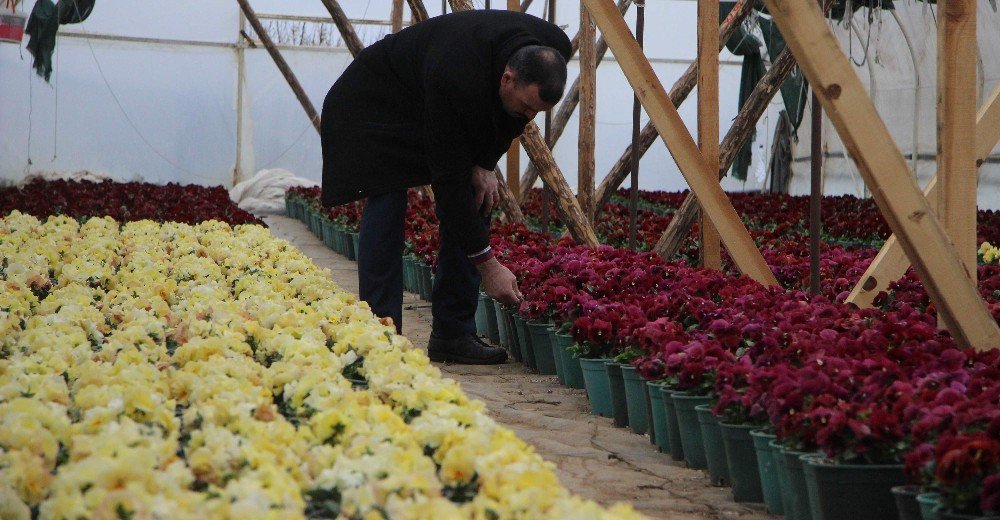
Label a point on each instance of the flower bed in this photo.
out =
(126, 201)
(178, 371)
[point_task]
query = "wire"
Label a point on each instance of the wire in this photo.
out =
(295, 142)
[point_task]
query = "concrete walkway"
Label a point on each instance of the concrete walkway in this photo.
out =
(593, 458)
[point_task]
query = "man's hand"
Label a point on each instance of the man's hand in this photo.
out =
(487, 190)
(500, 283)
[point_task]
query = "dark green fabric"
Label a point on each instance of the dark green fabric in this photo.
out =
(795, 87)
(43, 24)
(744, 44)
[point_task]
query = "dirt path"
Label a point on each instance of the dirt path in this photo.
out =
(592, 457)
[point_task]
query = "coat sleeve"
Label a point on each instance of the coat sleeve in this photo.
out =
(449, 139)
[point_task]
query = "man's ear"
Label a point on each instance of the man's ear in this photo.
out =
(509, 76)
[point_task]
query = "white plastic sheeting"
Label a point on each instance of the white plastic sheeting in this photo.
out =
(265, 192)
(167, 107)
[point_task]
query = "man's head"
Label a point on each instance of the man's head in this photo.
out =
(533, 81)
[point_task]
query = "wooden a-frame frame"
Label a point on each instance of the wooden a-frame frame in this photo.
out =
(908, 212)
(702, 179)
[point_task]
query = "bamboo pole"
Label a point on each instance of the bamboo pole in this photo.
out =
(343, 25)
(588, 112)
(565, 111)
(286, 71)
(885, 171)
(397, 16)
(956, 120)
(418, 10)
(678, 93)
(741, 129)
(708, 118)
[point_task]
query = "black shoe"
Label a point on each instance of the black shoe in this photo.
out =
(466, 350)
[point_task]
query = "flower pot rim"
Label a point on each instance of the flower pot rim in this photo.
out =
(762, 433)
(594, 360)
(746, 426)
(686, 395)
(820, 459)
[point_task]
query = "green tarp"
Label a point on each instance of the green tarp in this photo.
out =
(43, 24)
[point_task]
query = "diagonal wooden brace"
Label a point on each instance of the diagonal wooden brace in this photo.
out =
(682, 147)
(891, 263)
(678, 93)
(885, 171)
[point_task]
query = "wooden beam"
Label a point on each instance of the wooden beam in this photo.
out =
(397, 16)
(741, 130)
(344, 26)
(570, 101)
(588, 113)
(891, 262)
(682, 147)
(286, 71)
(956, 120)
(508, 204)
(418, 10)
(514, 151)
(569, 209)
(678, 93)
(708, 119)
(885, 171)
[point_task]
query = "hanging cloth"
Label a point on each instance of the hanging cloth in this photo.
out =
(744, 44)
(43, 24)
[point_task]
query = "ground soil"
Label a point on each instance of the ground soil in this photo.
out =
(593, 458)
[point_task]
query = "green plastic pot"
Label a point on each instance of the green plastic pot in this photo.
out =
(742, 459)
(352, 253)
(524, 342)
(356, 239)
(928, 503)
(572, 372)
(794, 493)
(619, 406)
(492, 327)
(557, 356)
(326, 234)
(673, 429)
(428, 273)
(711, 440)
(635, 397)
(906, 501)
(502, 330)
(418, 270)
(481, 327)
(545, 363)
(515, 342)
(851, 491)
(595, 379)
(766, 467)
(690, 428)
(658, 426)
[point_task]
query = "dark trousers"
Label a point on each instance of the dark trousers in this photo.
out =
(380, 269)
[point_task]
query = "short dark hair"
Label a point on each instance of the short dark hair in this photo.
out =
(542, 65)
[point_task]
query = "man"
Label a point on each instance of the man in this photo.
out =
(438, 103)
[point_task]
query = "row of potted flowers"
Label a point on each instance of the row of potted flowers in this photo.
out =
(176, 371)
(124, 201)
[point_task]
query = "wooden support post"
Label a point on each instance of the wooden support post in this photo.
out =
(678, 93)
(633, 202)
(682, 147)
(708, 119)
(397, 16)
(514, 151)
(885, 171)
(956, 120)
(569, 209)
(571, 99)
(588, 112)
(891, 262)
(508, 204)
(741, 130)
(343, 25)
(815, 192)
(286, 71)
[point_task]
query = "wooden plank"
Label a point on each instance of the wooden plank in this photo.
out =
(286, 71)
(956, 117)
(508, 204)
(678, 140)
(588, 113)
(569, 209)
(741, 130)
(708, 119)
(344, 26)
(891, 262)
(571, 99)
(885, 171)
(397, 16)
(678, 93)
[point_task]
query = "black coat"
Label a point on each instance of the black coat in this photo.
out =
(422, 106)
